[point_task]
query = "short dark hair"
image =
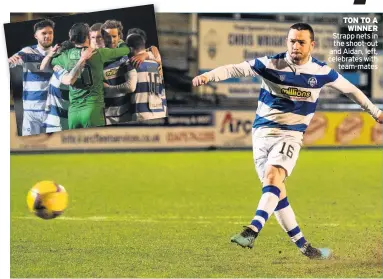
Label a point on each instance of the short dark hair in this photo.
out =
(112, 24)
(65, 46)
(78, 33)
(44, 23)
(304, 26)
(138, 31)
(135, 41)
(95, 27)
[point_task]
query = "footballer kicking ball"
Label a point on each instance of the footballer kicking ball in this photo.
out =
(47, 199)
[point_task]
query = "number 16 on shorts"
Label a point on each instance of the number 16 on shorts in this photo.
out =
(285, 153)
(278, 151)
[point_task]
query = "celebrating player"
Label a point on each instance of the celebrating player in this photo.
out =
(111, 32)
(152, 49)
(148, 100)
(86, 107)
(287, 103)
(120, 76)
(35, 81)
(57, 104)
(96, 39)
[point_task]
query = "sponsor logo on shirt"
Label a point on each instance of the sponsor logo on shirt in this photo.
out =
(295, 92)
(111, 72)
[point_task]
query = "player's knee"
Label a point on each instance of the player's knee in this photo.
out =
(271, 178)
(274, 175)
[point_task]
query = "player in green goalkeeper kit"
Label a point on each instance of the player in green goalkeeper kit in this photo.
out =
(86, 65)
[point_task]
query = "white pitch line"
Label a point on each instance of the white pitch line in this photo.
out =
(158, 219)
(134, 217)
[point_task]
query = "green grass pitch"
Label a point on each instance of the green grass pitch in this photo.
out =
(172, 215)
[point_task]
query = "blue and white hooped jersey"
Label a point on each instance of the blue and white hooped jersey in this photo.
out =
(117, 103)
(57, 103)
(35, 81)
(289, 92)
(115, 72)
(149, 87)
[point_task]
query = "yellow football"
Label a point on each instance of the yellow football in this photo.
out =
(47, 199)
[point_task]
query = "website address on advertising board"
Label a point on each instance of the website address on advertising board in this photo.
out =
(97, 138)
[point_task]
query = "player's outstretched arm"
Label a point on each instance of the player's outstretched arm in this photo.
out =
(225, 72)
(46, 63)
(72, 76)
(355, 94)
